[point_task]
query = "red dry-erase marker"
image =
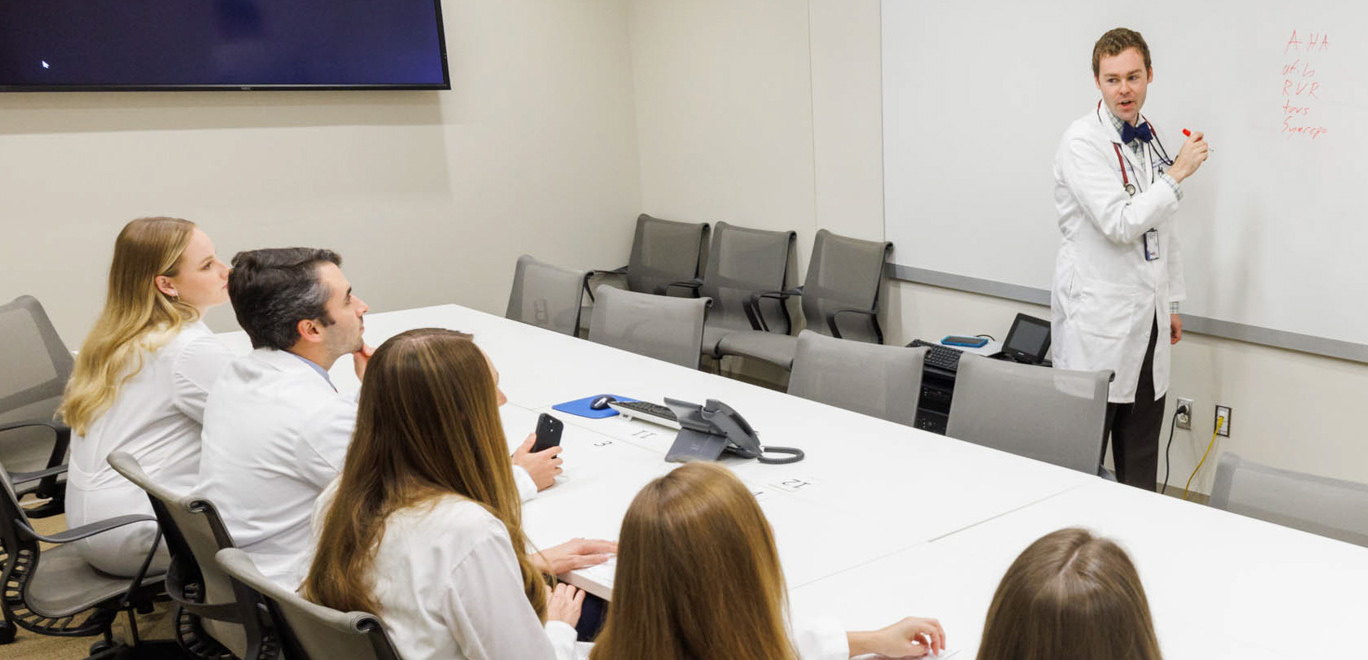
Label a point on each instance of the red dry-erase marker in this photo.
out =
(1187, 133)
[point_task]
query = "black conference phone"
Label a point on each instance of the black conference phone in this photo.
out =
(706, 431)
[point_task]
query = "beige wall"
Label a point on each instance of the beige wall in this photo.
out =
(565, 119)
(768, 113)
(429, 196)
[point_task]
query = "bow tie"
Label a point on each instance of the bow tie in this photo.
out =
(1130, 133)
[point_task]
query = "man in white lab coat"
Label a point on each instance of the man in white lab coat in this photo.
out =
(1118, 277)
(276, 431)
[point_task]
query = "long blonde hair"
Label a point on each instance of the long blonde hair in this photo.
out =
(698, 574)
(1070, 595)
(137, 317)
(427, 425)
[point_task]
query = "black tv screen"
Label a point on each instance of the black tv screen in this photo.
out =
(221, 44)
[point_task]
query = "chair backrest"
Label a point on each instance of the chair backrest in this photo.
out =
(546, 296)
(664, 251)
(845, 274)
(34, 368)
(1052, 415)
(741, 262)
(312, 631)
(1320, 505)
(877, 380)
(194, 533)
(665, 328)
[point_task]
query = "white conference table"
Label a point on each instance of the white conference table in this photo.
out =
(882, 521)
(1219, 585)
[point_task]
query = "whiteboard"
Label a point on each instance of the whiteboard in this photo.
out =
(976, 95)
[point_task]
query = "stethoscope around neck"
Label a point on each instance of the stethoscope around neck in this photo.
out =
(1157, 151)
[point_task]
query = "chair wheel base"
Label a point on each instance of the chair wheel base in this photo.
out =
(145, 650)
(7, 632)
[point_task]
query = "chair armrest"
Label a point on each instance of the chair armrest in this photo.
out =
(752, 306)
(176, 588)
(589, 275)
(88, 530)
(61, 440)
(25, 477)
(56, 428)
(836, 332)
(694, 284)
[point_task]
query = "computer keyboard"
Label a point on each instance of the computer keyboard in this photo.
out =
(646, 412)
(941, 357)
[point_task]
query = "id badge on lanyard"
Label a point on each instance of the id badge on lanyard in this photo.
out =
(1152, 245)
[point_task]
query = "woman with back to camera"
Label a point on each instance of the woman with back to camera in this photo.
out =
(424, 526)
(1070, 595)
(140, 382)
(698, 576)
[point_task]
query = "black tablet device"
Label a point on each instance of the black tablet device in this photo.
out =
(1028, 341)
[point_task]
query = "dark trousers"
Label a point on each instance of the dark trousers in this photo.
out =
(1134, 427)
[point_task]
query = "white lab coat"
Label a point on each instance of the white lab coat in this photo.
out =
(1106, 295)
(275, 434)
(448, 586)
(155, 417)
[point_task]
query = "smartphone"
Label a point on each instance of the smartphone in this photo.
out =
(971, 342)
(549, 431)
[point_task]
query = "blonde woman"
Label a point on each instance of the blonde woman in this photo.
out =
(698, 576)
(1070, 595)
(424, 526)
(140, 382)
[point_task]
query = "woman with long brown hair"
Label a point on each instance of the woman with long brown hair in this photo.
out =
(140, 382)
(424, 526)
(1070, 595)
(698, 576)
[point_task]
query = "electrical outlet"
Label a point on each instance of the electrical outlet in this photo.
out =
(1185, 419)
(1223, 418)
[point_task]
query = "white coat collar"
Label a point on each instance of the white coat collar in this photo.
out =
(287, 362)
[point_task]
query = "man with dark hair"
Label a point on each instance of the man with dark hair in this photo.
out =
(1118, 278)
(276, 431)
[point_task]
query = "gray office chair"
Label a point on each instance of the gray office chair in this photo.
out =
(53, 591)
(669, 329)
(663, 251)
(211, 623)
(310, 631)
(1051, 415)
(34, 368)
(546, 296)
(840, 298)
(1320, 505)
(876, 380)
(741, 263)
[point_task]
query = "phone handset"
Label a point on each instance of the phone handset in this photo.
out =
(742, 438)
(706, 431)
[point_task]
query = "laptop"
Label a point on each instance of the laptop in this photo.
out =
(1028, 341)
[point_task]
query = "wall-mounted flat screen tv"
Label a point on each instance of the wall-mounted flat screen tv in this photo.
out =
(75, 45)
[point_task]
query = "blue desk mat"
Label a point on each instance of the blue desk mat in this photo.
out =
(580, 407)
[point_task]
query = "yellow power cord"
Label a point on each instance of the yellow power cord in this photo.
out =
(1219, 422)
